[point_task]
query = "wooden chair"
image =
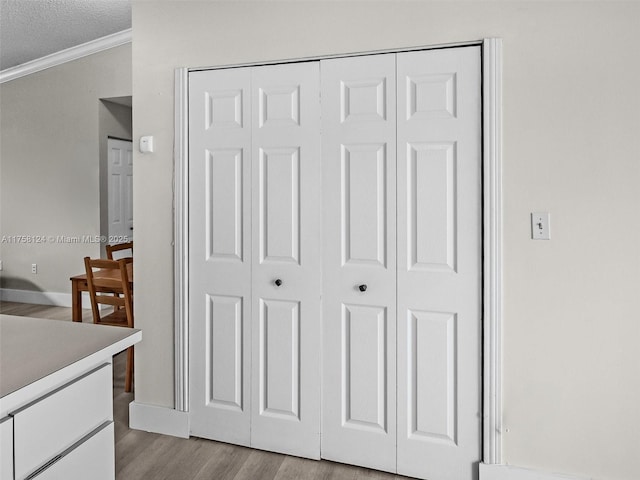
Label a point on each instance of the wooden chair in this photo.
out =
(108, 283)
(118, 248)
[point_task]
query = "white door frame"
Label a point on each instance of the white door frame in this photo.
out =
(492, 239)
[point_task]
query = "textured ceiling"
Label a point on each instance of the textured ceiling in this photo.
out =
(31, 29)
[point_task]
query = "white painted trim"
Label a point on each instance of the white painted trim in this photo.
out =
(63, 56)
(164, 420)
(41, 298)
(339, 55)
(492, 270)
(181, 240)
(492, 225)
(508, 472)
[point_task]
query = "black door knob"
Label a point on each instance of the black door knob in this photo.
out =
(278, 282)
(363, 287)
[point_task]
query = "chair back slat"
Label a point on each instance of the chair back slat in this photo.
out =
(119, 247)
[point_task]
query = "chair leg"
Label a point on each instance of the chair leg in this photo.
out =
(129, 375)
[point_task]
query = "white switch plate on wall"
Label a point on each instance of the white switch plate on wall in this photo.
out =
(540, 226)
(146, 144)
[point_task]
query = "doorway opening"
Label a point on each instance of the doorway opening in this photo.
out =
(116, 170)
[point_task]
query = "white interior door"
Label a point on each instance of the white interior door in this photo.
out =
(439, 263)
(286, 259)
(220, 254)
(120, 188)
(435, 290)
(255, 218)
(400, 290)
(359, 261)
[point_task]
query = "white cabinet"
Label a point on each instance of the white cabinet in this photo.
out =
(92, 458)
(56, 398)
(50, 426)
(6, 448)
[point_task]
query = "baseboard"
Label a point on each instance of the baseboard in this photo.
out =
(152, 418)
(508, 472)
(41, 298)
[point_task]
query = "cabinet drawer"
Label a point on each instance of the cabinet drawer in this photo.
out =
(92, 459)
(52, 424)
(6, 449)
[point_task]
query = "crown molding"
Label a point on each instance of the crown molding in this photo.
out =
(63, 56)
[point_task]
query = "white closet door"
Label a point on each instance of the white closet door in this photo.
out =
(220, 254)
(286, 259)
(359, 327)
(439, 263)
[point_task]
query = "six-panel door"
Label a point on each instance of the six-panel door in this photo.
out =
(255, 257)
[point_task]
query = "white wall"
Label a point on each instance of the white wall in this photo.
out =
(50, 149)
(572, 123)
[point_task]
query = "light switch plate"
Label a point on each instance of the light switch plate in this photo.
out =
(540, 226)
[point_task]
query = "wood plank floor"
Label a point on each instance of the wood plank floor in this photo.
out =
(149, 456)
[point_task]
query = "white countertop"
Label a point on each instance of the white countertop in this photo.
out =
(33, 350)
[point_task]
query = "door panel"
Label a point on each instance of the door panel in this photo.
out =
(115, 201)
(223, 176)
(220, 258)
(279, 205)
(364, 226)
(439, 263)
(431, 206)
(365, 352)
(280, 359)
(431, 341)
(359, 326)
(224, 323)
(286, 239)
